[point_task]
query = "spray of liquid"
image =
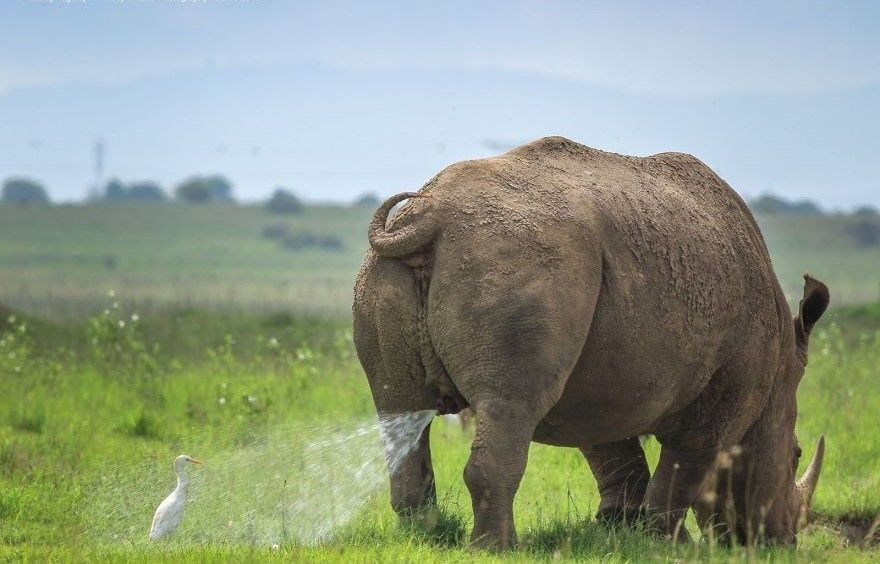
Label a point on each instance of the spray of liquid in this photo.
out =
(300, 484)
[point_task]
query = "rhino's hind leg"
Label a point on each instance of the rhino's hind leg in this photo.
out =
(494, 470)
(622, 474)
(509, 338)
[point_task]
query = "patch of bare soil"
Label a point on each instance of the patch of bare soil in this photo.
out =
(860, 529)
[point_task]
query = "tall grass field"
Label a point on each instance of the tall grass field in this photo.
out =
(132, 334)
(61, 261)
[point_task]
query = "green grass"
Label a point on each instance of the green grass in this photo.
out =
(819, 245)
(60, 262)
(88, 430)
(231, 346)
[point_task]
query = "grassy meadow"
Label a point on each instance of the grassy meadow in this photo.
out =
(130, 334)
(60, 262)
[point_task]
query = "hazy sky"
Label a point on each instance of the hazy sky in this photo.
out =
(333, 99)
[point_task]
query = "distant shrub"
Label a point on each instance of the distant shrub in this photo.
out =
(865, 231)
(204, 190)
(307, 240)
(193, 193)
(114, 191)
(769, 204)
(280, 319)
(866, 211)
(23, 192)
(6, 314)
(275, 231)
(146, 191)
(301, 240)
(142, 192)
(367, 200)
(284, 202)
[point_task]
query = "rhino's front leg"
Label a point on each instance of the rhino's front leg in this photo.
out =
(413, 494)
(622, 474)
(493, 472)
(674, 487)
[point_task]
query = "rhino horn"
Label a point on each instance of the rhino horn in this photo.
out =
(807, 483)
(400, 242)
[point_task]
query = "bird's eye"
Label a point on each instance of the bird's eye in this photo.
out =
(797, 451)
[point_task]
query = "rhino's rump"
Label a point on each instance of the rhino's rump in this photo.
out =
(686, 283)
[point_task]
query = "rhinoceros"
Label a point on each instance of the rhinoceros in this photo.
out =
(582, 298)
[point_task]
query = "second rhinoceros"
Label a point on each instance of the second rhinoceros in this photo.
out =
(582, 298)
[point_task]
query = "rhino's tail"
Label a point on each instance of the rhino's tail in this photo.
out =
(404, 241)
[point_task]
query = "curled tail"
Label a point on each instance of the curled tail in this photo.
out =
(404, 241)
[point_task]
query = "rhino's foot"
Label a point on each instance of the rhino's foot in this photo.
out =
(643, 519)
(621, 516)
(622, 475)
(669, 526)
(492, 542)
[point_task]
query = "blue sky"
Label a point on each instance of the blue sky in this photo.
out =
(333, 99)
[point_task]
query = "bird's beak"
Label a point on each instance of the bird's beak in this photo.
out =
(195, 461)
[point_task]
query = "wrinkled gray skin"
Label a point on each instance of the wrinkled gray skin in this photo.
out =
(581, 298)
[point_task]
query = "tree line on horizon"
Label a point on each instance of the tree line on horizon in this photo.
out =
(214, 189)
(209, 189)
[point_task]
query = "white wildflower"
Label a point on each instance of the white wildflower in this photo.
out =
(121, 324)
(111, 294)
(135, 318)
(222, 401)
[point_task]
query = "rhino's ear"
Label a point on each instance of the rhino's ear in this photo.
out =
(812, 306)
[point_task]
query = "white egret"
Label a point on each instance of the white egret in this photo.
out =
(169, 514)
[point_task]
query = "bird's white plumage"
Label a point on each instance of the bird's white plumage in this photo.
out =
(169, 514)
